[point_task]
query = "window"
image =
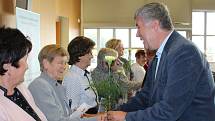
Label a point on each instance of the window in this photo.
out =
(92, 34)
(135, 41)
(127, 35)
(203, 34)
(183, 33)
(123, 35)
(105, 35)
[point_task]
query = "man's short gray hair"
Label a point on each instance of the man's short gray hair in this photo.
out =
(156, 11)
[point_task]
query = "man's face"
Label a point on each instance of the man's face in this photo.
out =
(147, 33)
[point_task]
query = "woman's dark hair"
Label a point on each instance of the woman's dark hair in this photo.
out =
(78, 47)
(13, 46)
(140, 53)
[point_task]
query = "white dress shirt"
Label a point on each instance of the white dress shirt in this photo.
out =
(160, 50)
(139, 72)
(78, 90)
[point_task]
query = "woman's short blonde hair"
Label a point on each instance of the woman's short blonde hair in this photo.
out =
(113, 43)
(49, 52)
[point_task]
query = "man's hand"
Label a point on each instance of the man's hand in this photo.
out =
(116, 115)
(101, 117)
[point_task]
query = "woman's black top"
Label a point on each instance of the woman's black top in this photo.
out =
(20, 100)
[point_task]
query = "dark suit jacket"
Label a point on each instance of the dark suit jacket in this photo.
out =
(182, 91)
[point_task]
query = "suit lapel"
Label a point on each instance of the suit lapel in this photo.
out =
(162, 63)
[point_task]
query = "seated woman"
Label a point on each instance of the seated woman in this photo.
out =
(77, 80)
(49, 95)
(16, 102)
(101, 71)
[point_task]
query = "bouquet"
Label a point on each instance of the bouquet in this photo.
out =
(108, 90)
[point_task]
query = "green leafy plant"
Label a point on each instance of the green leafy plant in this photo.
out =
(108, 89)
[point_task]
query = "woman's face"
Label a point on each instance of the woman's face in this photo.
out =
(85, 60)
(141, 60)
(57, 67)
(16, 75)
(120, 49)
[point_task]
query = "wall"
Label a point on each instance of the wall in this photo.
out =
(72, 10)
(119, 13)
(47, 11)
(50, 10)
(180, 12)
(203, 4)
(94, 13)
(103, 13)
(7, 13)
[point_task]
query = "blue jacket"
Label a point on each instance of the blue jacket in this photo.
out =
(182, 91)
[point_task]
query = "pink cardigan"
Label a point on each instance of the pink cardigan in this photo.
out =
(9, 111)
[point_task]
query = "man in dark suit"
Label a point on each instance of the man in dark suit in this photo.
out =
(180, 86)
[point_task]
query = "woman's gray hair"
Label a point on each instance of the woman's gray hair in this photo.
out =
(156, 11)
(49, 52)
(105, 52)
